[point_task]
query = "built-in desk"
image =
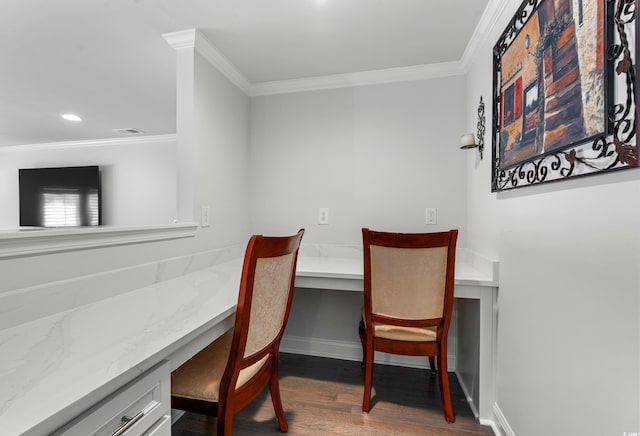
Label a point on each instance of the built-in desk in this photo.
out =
(56, 364)
(476, 289)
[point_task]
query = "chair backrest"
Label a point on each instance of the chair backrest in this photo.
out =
(409, 277)
(264, 300)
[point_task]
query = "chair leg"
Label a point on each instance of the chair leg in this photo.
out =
(225, 420)
(443, 380)
(363, 340)
(368, 374)
(432, 364)
(274, 389)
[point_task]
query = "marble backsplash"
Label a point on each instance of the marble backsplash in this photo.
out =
(486, 266)
(331, 250)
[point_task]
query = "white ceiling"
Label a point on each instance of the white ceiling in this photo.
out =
(106, 60)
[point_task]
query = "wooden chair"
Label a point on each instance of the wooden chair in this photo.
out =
(228, 374)
(408, 300)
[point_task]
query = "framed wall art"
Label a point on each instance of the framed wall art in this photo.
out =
(564, 92)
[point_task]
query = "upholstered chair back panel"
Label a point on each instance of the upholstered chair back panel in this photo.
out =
(408, 282)
(269, 304)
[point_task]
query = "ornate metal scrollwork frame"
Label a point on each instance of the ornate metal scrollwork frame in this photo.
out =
(481, 127)
(616, 148)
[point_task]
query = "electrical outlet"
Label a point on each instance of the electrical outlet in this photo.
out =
(431, 216)
(323, 216)
(205, 218)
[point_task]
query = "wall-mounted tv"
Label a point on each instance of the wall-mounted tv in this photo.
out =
(60, 197)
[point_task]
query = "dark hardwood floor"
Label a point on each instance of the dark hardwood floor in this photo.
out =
(324, 396)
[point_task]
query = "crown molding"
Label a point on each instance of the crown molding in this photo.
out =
(194, 39)
(389, 75)
(211, 53)
(491, 17)
(129, 140)
(181, 40)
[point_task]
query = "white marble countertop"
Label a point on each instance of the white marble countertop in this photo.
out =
(55, 363)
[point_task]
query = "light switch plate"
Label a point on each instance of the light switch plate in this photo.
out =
(205, 218)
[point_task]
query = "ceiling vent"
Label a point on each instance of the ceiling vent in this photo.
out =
(128, 131)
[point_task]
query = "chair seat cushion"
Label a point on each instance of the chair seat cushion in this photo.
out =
(400, 333)
(199, 377)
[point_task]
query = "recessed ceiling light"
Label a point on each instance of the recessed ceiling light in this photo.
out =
(71, 117)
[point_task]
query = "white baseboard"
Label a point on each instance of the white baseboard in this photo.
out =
(321, 348)
(488, 422)
(468, 397)
(497, 431)
(350, 351)
(501, 427)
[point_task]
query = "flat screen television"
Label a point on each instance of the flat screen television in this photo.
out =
(60, 197)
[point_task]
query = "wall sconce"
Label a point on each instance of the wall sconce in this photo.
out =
(468, 140)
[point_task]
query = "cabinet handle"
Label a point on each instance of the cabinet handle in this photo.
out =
(128, 423)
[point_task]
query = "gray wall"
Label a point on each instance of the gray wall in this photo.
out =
(376, 156)
(138, 177)
(568, 330)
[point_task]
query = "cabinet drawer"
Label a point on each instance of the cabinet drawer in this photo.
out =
(133, 410)
(161, 428)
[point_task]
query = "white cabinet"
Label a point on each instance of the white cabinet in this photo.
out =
(140, 408)
(160, 428)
